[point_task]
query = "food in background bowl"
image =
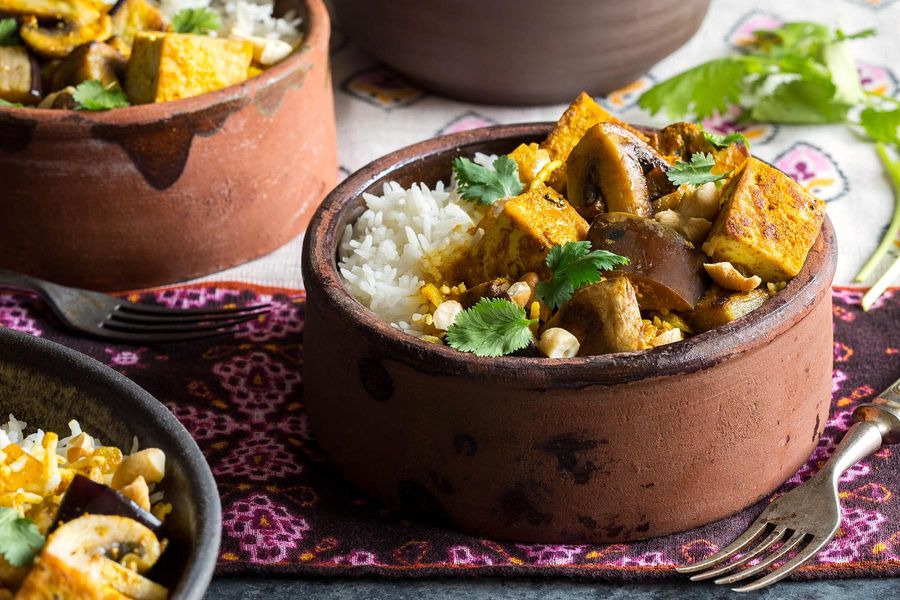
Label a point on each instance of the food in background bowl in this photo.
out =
(91, 55)
(78, 519)
(603, 238)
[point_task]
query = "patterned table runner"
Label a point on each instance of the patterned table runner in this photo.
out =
(287, 512)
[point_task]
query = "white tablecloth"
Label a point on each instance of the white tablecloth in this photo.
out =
(377, 112)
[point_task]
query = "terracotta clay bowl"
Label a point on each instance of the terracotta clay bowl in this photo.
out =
(521, 51)
(46, 385)
(599, 449)
(158, 193)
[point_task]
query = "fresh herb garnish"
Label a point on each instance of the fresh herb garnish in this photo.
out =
(93, 95)
(20, 538)
(696, 172)
(12, 104)
(199, 21)
(574, 265)
(9, 32)
(800, 72)
(723, 141)
(482, 185)
(493, 327)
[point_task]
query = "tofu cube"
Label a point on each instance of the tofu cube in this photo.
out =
(767, 224)
(169, 66)
(530, 159)
(518, 235)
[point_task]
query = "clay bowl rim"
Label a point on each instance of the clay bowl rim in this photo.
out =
(62, 360)
(315, 34)
(702, 351)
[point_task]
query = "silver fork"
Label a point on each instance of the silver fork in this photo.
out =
(107, 317)
(806, 518)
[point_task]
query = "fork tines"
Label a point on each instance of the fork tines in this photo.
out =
(140, 322)
(753, 545)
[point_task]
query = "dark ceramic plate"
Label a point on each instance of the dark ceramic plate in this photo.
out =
(47, 384)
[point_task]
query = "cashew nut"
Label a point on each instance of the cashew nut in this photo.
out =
(445, 314)
(138, 492)
(556, 342)
(693, 229)
(701, 202)
(730, 278)
(80, 446)
(149, 463)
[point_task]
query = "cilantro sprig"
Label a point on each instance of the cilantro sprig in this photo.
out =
(696, 172)
(93, 95)
(484, 186)
(801, 72)
(493, 327)
(199, 21)
(11, 104)
(9, 32)
(723, 141)
(574, 265)
(20, 538)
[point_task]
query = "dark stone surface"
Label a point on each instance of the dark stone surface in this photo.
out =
(535, 589)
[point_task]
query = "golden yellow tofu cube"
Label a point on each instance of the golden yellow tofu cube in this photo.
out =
(530, 159)
(518, 236)
(169, 66)
(767, 224)
(581, 115)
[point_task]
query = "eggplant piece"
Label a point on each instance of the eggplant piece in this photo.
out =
(666, 270)
(63, 99)
(60, 40)
(603, 317)
(720, 306)
(91, 61)
(88, 497)
(20, 75)
(495, 288)
(678, 141)
(613, 170)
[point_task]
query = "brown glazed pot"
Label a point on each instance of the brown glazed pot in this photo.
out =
(520, 51)
(157, 193)
(599, 449)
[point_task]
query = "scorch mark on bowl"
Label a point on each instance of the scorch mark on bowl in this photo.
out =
(17, 133)
(160, 149)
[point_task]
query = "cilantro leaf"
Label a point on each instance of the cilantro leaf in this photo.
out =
(801, 101)
(881, 125)
(93, 95)
(706, 89)
(574, 265)
(9, 32)
(723, 141)
(493, 327)
(199, 21)
(480, 184)
(20, 538)
(696, 172)
(11, 104)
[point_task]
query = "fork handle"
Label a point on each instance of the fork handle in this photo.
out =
(21, 281)
(877, 423)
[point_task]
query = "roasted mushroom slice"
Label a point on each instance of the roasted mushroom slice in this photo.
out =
(61, 38)
(613, 170)
(720, 306)
(80, 11)
(87, 556)
(91, 61)
(603, 317)
(20, 76)
(666, 270)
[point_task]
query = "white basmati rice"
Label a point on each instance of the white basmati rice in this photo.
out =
(398, 243)
(244, 18)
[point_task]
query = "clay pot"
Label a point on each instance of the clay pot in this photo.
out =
(595, 449)
(157, 193)
(520, 51)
